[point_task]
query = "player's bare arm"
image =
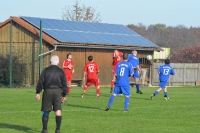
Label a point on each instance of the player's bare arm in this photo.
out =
(138, 67)
(98, 71)
(116, 53)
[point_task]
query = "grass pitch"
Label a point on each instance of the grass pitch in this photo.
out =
(20, 112)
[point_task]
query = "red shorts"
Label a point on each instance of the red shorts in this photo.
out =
(69, 78)
(96, 82)
(113, 69)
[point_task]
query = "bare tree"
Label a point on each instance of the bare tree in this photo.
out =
(80, 13)
(176, 37)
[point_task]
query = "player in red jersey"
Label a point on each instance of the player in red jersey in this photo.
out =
(68, 67)
(91, 70)
(116, 59)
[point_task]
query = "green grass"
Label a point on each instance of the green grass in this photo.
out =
(20, 112)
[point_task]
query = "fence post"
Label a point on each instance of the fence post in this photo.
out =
(40, 58)
(10, 67)
(169, 82)
(184, 75)
(151, 71)
(198, 72)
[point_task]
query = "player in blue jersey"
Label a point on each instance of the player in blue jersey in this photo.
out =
(122, 86)
(134, 60)
(164, 73)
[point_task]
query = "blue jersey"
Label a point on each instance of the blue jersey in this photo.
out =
(134, 60)
(165, 71)
(123, 72)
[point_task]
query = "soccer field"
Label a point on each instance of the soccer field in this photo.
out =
(20, 112)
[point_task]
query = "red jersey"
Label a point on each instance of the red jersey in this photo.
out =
(70, 65)
(92, 69)
(117, 58)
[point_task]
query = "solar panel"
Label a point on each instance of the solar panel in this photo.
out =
(89, 32)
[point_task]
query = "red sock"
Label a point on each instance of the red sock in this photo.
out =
(85, 88)
(112, 84)
(98, 91)
(68, 89)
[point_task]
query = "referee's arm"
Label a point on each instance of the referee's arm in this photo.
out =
(64, 85)
(40, 83)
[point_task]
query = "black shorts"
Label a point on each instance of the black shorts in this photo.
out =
(51, 97)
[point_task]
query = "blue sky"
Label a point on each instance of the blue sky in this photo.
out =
(169, 12)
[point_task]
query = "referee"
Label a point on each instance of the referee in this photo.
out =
(53, 81)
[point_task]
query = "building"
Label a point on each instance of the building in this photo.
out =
(79, 38)
(160, 56)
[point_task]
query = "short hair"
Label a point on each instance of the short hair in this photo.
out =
(134, 51)
(167, 61)
(90, 58)
(68, 55)
(125, 56)
(116, 50)
(54, 60)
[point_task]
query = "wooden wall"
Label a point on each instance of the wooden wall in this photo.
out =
(102, 56)
(25, 46)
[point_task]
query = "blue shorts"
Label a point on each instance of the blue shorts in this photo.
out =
(136, 74)
(125, 90)
(163, 84)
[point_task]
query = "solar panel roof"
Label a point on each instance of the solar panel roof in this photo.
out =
(89, 32)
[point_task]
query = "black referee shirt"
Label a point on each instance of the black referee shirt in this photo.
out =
(52, 77)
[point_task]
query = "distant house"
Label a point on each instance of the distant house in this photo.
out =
(79, 38)
(160, 56)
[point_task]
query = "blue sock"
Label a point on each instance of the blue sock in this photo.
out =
(137, 87)
(155, 93)
(111, 100)
(126, 103)
(45, 118)
(165, 94)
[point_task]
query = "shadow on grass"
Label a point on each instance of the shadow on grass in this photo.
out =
(88, 107)
(88, 95)
(144, 98)
(80, 106)
(132, 97)
(108, 96)
(17, 127)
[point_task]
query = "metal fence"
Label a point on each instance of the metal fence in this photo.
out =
(186, 74)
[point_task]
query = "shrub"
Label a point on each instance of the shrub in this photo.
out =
(190, 54)
(18, 70)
